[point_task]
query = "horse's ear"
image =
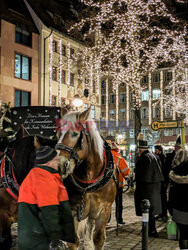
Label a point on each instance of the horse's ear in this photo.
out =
(84, 115)
(63, 111)
(36, 143)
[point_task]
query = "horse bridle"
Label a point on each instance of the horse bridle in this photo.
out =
(73, 150)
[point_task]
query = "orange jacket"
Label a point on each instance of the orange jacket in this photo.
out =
(123, 168)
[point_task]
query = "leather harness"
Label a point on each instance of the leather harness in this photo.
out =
(8, 177)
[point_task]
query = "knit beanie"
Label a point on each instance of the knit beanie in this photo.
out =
(45, 154)
(143, 144)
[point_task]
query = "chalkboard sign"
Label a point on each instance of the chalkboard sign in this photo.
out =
(37, 120)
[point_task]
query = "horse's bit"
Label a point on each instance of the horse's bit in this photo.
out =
(73, 150)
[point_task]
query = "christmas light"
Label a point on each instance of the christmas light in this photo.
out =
(50, 69)
(60, 72)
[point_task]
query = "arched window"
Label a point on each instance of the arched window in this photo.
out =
(144, 113)
(156, 94)
(145, 95)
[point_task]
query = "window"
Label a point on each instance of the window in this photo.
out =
(85, 105)
(156, 77)
(71, 79)
(22, 67)
(145, 95)
(156, 94)
(112, 98)
(166, 132)
(168, 112)
(64, 50)
(92, 111)
(122, 84)
(122, 98)
(71, 52)
(156, 112)
(112, 114)
(103, 84)
(23, 35)
(64, 76)
(62, 101)
(103, 114)
(54, 100)
(54, 73)
(144, 113)
(22, 98)
(167, 76)
(131, 133)
(103, 99)
(144, 131)
(145, 79)
(54, 46)
(122, 114)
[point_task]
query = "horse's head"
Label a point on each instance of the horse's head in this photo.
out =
(76, 137)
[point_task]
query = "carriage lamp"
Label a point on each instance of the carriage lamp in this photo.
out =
(77, 102)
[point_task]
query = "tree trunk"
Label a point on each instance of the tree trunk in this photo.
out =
(137, 127)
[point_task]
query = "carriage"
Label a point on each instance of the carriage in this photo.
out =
(86, 162)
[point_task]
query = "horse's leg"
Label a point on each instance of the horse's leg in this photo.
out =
(100, 229)
(88, 235)
(5, 233)
(76, 223)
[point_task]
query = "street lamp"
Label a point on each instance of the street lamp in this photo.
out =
(77, 102)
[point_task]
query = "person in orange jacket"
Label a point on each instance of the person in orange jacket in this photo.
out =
(123, 170)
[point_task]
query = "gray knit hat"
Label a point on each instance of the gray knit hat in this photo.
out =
(45, 154)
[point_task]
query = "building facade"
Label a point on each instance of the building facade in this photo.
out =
(59, 80)
(117, 113)
(19, 61)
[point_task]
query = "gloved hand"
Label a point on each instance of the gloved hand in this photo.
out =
(57, 245)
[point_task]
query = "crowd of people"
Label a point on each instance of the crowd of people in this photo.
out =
(160, 178)
(163, 180)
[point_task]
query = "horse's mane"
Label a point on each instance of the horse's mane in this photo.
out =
(73, 116)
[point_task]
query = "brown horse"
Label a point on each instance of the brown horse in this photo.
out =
(20, 153)
(91, 187)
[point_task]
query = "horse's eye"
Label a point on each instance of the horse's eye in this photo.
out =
(74, 134)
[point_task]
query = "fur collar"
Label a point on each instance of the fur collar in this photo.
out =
(178, 179)
(180, 156)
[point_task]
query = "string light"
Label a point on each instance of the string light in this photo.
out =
(128, 105)
(150, 100)
(107, 88)
(161, 96)
(50, 69)
(68, 64)
(130, 41)
(60, 72)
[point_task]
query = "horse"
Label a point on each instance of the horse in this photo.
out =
(20, 154)
(88, 162)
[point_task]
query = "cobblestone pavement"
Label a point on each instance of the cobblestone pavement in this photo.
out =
(129, 236)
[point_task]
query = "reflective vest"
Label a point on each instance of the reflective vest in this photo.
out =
(123, 167)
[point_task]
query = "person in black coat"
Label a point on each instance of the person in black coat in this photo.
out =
(162, 157)
(148, 177)
(179, 195)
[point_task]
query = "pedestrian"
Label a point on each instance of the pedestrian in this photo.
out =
(162, 157)
(148, 177)
(44, 213)
(179, 195)
(123, 170)
(168, 165)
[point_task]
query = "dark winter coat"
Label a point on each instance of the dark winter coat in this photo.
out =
(168, 165)
(178, 194)
(44, 212)
(148, 178)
